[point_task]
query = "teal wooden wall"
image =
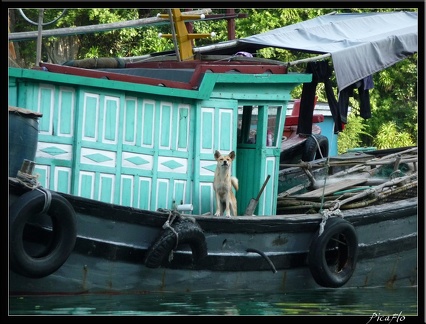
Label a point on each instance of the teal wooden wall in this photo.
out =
(146, 146)
(132, 150)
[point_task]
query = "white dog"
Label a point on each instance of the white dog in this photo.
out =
(223, 183)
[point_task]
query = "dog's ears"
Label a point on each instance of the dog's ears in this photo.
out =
(217, 155)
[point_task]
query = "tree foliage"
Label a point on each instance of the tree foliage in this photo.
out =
(393, 99)
(389, 136)
(350, 137)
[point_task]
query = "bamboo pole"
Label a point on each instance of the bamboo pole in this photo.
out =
(375, 190)
(381, 196)
(392, 160)
(21, 36)
(310, 59)
(39, 36)
(175, 41)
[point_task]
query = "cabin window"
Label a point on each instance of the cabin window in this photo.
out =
(274, 120)
(259, 121)
(247, 124)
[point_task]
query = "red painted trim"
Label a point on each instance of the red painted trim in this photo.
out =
(223, 66)
(114, 76)
(199, 69)
(293, 120)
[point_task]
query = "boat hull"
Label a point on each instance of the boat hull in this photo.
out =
(267, 253)
(107, 277)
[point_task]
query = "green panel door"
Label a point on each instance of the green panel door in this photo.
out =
(216, 129)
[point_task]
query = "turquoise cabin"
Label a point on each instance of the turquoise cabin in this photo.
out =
(145, 136)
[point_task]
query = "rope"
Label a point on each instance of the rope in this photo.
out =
(318, 147)
(28, 180)
(326, 214)
(264, 256)
(43, 24)
(47, 199)
(327, 164)
(170, 219)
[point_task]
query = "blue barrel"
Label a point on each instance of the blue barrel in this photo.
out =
(23, 137)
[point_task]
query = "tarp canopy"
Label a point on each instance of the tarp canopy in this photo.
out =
(360, 44)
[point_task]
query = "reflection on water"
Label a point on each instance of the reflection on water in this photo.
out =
(365, 301)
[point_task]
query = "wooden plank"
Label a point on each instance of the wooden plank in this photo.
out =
(329, 189)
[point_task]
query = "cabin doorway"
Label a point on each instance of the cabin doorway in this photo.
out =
(260, 129)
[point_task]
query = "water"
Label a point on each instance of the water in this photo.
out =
(368, 302)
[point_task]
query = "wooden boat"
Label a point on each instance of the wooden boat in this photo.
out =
(118, 197)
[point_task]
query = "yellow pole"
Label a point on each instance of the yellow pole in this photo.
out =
(185, 45)
(183, 38)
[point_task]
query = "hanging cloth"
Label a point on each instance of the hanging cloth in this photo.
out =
(321, 72)
(363, 86)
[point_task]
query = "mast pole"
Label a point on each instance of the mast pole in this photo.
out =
(175, 42)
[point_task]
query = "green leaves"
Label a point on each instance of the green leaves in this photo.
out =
(393, 100)
(389, 137)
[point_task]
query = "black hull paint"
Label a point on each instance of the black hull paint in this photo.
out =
(282, 239)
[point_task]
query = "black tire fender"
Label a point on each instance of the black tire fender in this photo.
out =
(188, 232)
(332, 255)
(64, 233)
(315, 147)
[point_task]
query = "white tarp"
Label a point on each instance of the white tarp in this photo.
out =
(360, 44)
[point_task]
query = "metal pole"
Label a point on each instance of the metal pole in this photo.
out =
(79, 30)
(231, 24)
(175, 42)
(39, 36)
(310, 59)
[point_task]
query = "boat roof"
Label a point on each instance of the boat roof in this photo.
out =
(168, 73)
(360, 44)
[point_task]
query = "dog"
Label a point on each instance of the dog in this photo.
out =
(223, 183)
